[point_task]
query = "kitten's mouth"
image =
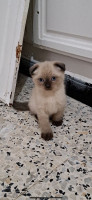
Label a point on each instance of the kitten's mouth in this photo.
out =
(46, 88)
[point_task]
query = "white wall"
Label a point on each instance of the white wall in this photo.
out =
(79, 64)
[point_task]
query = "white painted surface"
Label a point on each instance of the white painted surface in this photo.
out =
(77, 65)
(73, 17)
(64, 26)
(12, 24)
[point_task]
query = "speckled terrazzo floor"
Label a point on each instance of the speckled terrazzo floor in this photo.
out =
(32, 167)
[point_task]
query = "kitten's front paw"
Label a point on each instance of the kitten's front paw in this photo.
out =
(47, 136)
(57, 123)
(36, 116)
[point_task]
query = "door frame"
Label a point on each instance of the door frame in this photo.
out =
(7, 94)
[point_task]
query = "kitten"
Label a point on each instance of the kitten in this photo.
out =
(48, 97)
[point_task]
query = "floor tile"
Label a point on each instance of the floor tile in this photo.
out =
(32, 167)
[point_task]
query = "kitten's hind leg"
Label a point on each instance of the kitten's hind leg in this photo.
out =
(57, 119)
(33, 113)
(32, 108)
(46, 132)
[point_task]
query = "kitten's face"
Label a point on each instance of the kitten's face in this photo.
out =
(48, 76)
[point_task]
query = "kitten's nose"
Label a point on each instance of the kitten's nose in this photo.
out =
(47, 84)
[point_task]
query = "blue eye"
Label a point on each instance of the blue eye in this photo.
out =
(53, 78)
(41, 79)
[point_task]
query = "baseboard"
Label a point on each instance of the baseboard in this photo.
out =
(79, 90)
(24, 66)
(75, 88)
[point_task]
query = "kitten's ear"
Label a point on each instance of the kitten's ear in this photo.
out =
(33, 69)
(60, 65)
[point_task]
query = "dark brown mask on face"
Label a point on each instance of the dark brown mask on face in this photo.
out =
(47, 84)
(48, 76)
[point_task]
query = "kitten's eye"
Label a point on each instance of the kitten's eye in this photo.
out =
(41, 79)
(53, 78)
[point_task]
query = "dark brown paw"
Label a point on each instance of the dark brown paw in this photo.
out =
(57, 123)
(47, 136)
(36, 117)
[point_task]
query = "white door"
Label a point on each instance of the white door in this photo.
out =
(13, 14)
(64, 26)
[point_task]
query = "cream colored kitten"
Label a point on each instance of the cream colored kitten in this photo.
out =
(48, 95)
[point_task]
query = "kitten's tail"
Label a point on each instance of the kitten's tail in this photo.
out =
(20, 106)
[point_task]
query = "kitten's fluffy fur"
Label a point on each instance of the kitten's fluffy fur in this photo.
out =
(48, 96)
